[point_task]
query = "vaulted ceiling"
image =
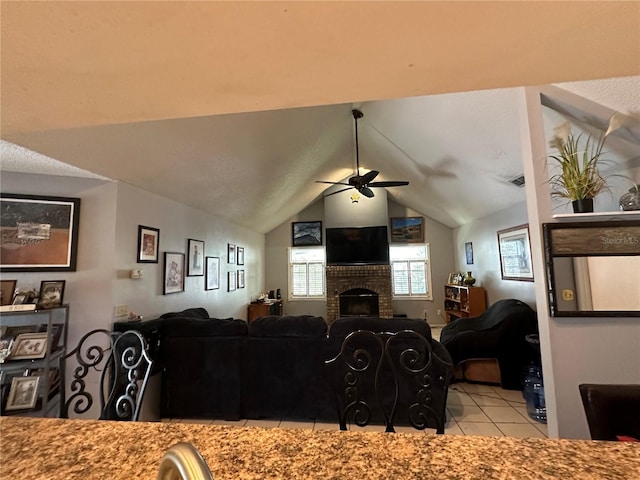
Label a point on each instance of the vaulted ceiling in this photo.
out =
(237, 107)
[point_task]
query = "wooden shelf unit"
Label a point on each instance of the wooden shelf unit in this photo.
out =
(262, 309)
(463, 301)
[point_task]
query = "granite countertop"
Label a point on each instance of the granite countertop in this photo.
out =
(69, 449)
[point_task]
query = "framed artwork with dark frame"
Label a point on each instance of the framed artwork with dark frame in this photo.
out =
(212, 277)
(173, 279)
(7, 289)
(231, 281)
(231, 253)
(51, 293)
(39, 233)
(23, 393)
(468, 251)
(515, 253)
(240, 278)
(195, 265)
(306, 234)
(240, 255)
(407, 229)
(148, 244)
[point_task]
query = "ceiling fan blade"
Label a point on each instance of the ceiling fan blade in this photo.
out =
(331, 183)
(339, 191)
(388, 184)
(367, 177)
(367, 192)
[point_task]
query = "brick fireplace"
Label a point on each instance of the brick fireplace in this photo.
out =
(343, 278)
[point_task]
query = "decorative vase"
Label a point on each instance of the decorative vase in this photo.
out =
(630, 201)
(469, 280)
(584, 205)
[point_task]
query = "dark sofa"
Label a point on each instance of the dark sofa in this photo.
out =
(499, 333)
(273, 366)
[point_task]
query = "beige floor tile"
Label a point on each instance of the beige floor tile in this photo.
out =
(266, 422)
(455, 397)
(297, 425)
(520, 430)
(478, 428)
(410, 429)
(204, 421)
(511, 395)
(165, 420)
(522, 410)
(326, 426)
(468, 413)
(542, 427)
(230, 423)
(504, 415)
(488, 399)
(478, 387)
(453, 428)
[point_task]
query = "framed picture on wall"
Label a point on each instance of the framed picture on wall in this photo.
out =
(38, 233)
(173, 273)
(231, 281)
(468, 251)
(148, 244)
(212, 277)
(515, 253)
(306, 234)
(407, 229)
(240, 255)
(231, 253)
(240, 278)
(195, 262)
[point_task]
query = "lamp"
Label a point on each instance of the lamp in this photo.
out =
(355, 196)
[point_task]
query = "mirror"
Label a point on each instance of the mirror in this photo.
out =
(593, 268)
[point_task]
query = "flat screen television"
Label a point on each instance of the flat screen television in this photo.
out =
(357, 246)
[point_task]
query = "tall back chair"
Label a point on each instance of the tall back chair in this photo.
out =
(612, 410)
(378, 377)
(120, 366)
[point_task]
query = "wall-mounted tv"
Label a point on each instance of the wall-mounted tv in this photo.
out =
(357, 246)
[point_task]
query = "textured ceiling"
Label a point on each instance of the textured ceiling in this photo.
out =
(193, 100)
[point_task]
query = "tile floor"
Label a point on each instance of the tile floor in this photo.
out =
(472, 409)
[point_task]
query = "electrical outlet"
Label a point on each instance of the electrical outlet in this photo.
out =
(122, 310)
(439, 312)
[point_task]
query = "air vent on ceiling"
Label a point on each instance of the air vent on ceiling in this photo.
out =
(517, 181)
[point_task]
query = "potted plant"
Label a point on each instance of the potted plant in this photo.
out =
(580, 179)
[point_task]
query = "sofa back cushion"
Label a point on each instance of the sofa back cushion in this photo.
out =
(181, 327)
(197, 312)
(342, 327)
(305, 326)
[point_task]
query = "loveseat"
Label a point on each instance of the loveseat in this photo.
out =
(272, 367)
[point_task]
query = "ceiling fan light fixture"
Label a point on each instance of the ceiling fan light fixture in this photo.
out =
(355, 196)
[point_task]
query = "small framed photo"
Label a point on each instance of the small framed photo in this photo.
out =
(407, 229)
(231, 281)
(29, 346)
(306, 234)
(5, 348)
(454, 278)
(23, 393)
(231, 253)
(7, 288)
(212, 277)
(173, 273)
(515, 253)
(148, 244)
(51, 294)
(20, 299)
(240, 255)
(240, 278)
(468, 251)
(195, 263)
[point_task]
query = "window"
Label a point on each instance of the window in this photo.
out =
(306, 272)
(411, 270)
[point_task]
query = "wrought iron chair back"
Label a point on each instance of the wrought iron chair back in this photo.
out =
(375, 374)
(120, 363)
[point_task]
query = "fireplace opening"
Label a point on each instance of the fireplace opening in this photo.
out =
(359, 302)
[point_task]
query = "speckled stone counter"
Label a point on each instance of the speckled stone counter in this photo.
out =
(69, 449)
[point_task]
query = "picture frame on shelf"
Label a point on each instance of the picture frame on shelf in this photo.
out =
(7, 290)
(514, 248)
(51, 294)
(23, 393)
(240, 255)
(468, 251)
(195, 263)
(231, 253)
(231, 281)
(148, 244)
(173, 278)
(56, 333)
(306, 234)
(407, 229)
(29, 346)
(20, 299)
(454, 278)
(240, 278)
(6, 345)
(39, 233)
(212, 277)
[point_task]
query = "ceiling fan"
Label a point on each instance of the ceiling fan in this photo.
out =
(362, 183)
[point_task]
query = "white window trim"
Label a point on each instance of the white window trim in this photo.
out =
(429, 295)
(308, 298)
